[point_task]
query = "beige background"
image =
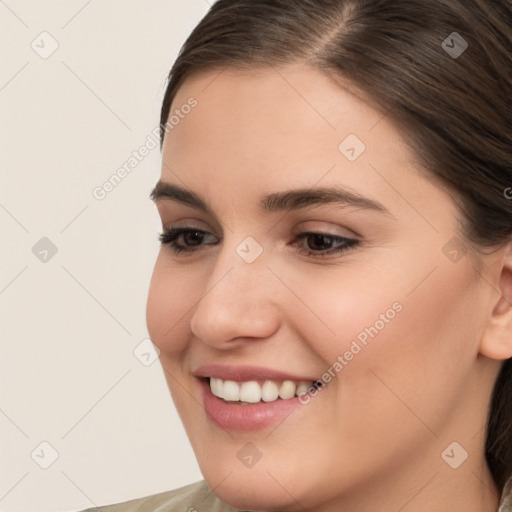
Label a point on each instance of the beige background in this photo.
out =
(70, 323)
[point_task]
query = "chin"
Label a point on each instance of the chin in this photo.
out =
(272, 484)
(247, 491)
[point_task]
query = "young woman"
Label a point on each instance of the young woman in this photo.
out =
(333, 296)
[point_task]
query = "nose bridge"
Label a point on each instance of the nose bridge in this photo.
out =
(238, 299)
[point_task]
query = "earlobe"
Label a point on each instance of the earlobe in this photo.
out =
(497, 340)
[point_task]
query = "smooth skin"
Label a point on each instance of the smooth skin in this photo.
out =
(373, 438)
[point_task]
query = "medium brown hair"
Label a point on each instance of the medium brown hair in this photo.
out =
(454, 110)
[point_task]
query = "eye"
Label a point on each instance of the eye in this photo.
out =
(322, 240)
(170, 237)
(194, 238)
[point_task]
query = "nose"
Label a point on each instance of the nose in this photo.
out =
(238, 301)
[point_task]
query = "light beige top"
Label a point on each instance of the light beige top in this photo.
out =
(197, 497)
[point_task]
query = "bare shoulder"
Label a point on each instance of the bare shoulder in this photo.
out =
(190, 498)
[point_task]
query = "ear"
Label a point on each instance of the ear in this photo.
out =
(497, 339)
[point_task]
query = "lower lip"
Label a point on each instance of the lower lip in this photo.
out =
(234, 416)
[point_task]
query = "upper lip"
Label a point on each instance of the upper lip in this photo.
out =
(246, 373)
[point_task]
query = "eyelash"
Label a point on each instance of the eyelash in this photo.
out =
(169, 237)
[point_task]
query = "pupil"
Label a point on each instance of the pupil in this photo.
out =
(320, 239)
(194, 236)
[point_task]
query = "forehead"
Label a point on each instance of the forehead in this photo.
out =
(295, 102)
(270, 128)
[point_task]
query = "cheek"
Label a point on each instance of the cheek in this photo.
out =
(420, 336)
(417, 365)
(338, 306)
(167, 307)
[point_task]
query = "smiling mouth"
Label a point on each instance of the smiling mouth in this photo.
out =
(259, 391)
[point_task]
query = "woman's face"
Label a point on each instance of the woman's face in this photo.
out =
(391, 323)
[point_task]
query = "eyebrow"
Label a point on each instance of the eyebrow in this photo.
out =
(288, 200)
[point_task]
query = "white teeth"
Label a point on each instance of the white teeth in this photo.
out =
(287, 389)
(302, 388)
(252, 392)
(269, 391)
(216, 386)
(231, 391)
